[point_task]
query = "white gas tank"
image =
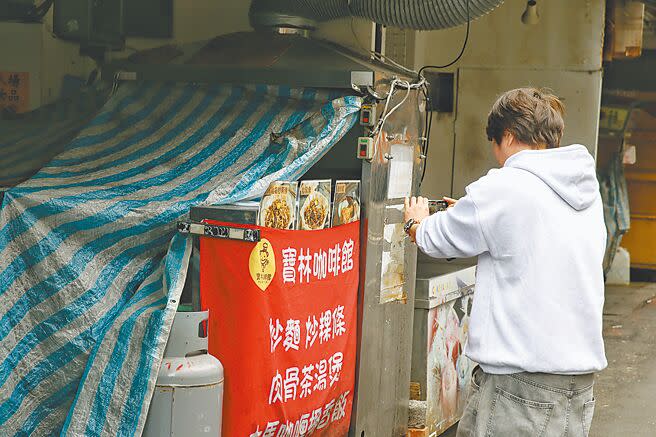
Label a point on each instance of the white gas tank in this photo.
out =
(188, 397)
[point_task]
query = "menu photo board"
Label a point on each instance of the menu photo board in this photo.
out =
(14, 91)
(314, 205)
(278, 205)
(346, 203)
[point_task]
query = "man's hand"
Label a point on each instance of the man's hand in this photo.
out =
(450, 201)
(416, 208)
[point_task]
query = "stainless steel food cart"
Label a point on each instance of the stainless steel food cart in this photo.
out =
(388, 261)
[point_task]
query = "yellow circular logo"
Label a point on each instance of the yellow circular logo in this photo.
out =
(262, 264)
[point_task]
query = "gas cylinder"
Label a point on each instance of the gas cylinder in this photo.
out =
(188, 396)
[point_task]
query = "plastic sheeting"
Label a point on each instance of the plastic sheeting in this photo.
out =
(617, 216)
(92, 268)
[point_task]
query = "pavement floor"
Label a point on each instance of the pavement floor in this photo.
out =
(626, 390)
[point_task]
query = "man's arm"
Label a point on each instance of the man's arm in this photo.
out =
(454, 233)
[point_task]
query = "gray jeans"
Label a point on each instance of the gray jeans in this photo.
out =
(528, 404)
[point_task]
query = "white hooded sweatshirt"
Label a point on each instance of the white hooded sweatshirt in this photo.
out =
(537, 227)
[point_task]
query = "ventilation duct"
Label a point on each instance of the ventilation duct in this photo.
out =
(406, 14)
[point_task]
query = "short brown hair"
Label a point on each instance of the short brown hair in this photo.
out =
(533, 116)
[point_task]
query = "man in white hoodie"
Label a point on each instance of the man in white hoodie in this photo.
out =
(536, 225)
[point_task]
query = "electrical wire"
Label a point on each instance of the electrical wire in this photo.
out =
(428, 121)
(382, 118)
(384, 115)
(462, 50)
(44, 7)
(378, 130)
(386, 59)
(420, 84)
(408, 87)
(38, 12)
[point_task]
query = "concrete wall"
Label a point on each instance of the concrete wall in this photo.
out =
(562, 52)
(197, 20)
(353, 33)
(24, 56)
(32, 48)
(48, 59)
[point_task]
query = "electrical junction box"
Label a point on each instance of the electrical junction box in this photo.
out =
(15, 9)
(365, 148)
(368, 115)
(442, 91)
(97, 23)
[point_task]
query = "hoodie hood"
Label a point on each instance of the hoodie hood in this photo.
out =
(569, 171)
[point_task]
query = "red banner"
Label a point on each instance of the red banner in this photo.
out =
(283, 320)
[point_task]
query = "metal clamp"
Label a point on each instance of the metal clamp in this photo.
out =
(218, 231)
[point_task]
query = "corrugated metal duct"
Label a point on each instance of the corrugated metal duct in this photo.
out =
(407, 14)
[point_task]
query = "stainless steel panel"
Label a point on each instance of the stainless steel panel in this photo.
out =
(256, 58)
(385, 336)
(429, 269)
(245, 214)
(362, 78)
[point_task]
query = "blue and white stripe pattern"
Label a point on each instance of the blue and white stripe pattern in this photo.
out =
(92, 267)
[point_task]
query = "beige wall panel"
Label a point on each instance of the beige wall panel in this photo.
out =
(478, 89)
(569, 35)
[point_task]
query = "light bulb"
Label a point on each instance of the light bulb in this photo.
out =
(530, 15)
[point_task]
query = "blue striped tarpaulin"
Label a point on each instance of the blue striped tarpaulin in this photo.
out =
(92, 268)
